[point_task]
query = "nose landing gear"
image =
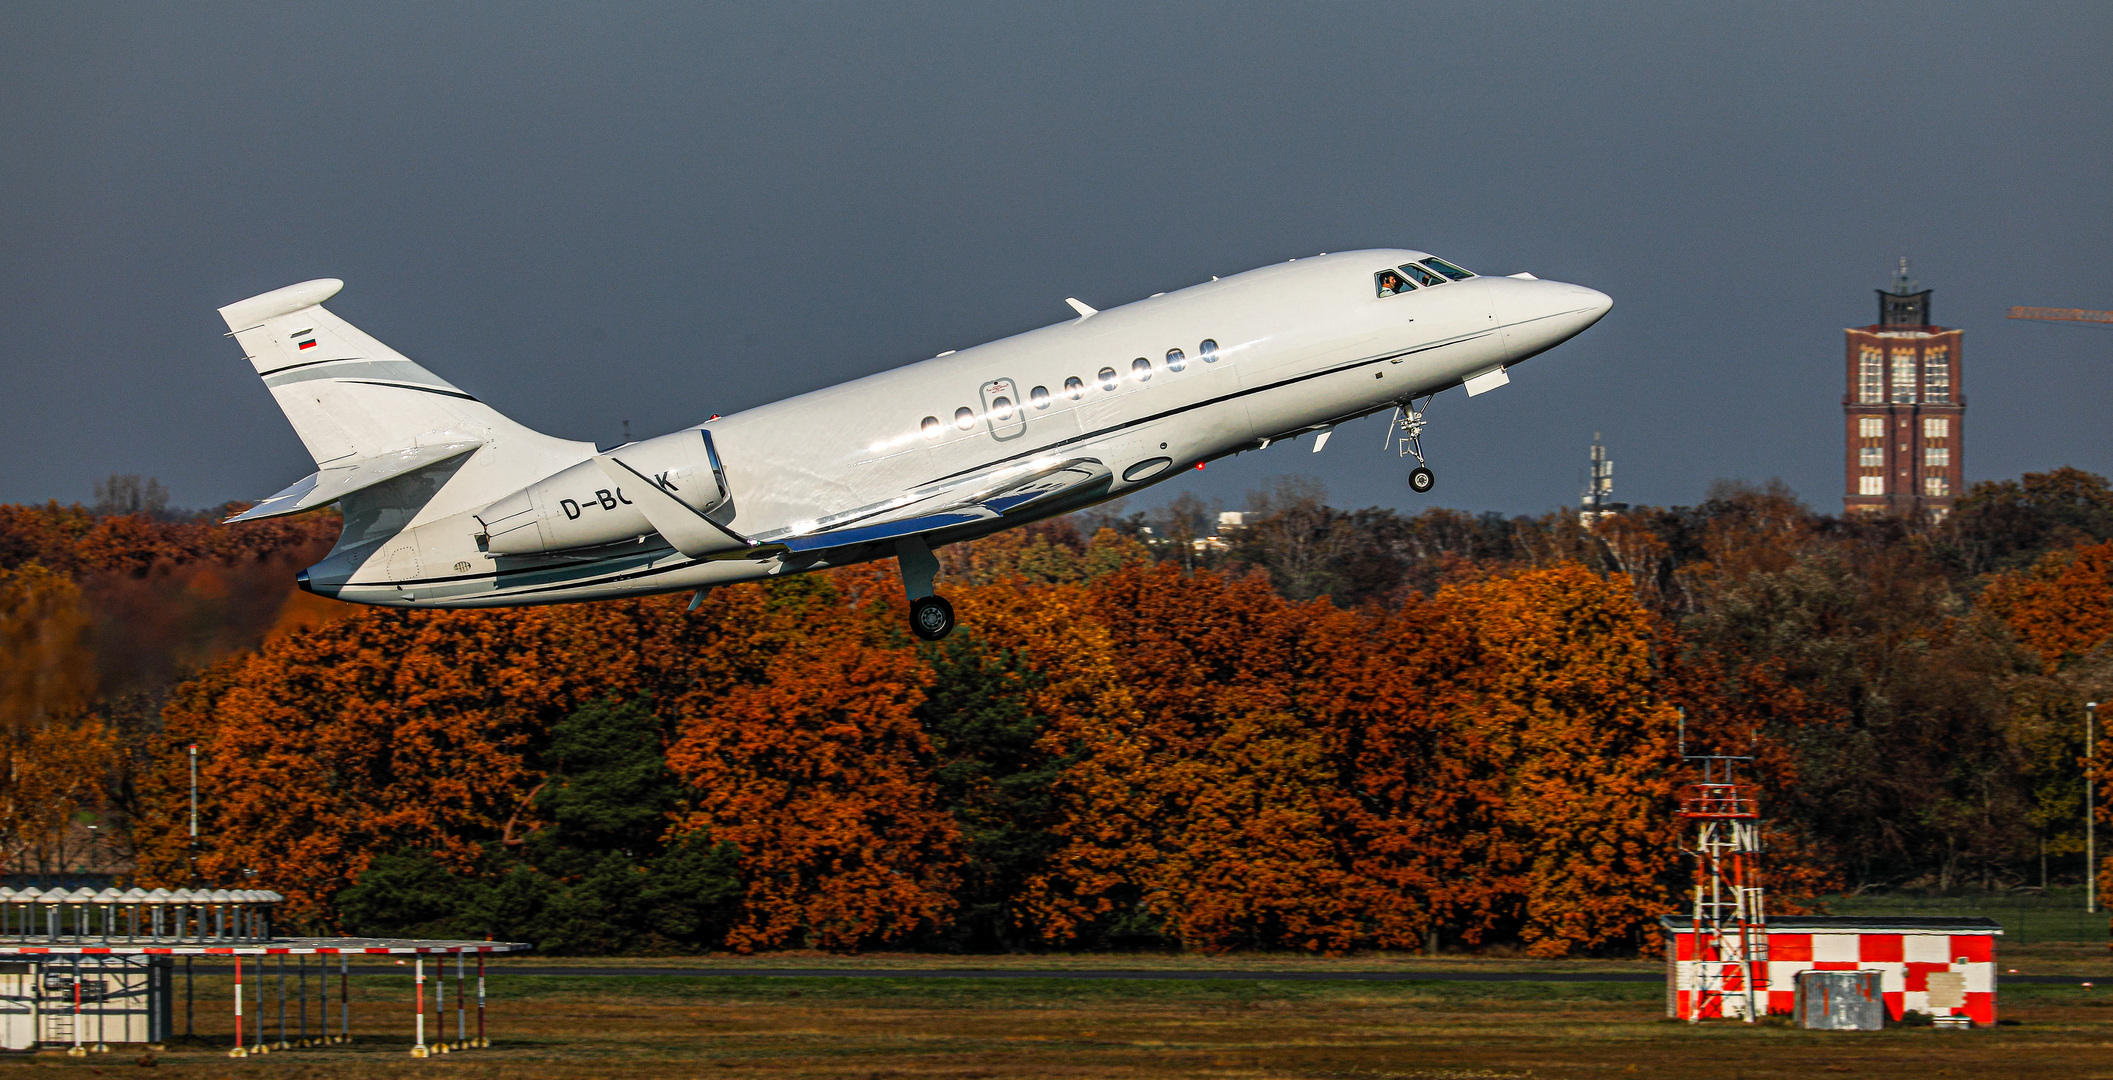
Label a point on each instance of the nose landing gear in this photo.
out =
(1408, 423)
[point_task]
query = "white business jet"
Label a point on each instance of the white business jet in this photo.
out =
(447, 503)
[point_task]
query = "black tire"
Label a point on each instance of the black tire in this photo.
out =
(931, 618)
(1421, 480)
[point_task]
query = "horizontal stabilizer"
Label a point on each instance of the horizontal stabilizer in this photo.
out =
(329, 485)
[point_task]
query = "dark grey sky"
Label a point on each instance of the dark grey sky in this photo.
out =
(599, 213)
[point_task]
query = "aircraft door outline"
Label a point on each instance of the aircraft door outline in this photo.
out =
(1003, 409)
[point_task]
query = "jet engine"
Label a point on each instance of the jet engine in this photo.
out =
(584, 507)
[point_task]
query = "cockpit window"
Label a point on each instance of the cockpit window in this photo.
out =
(1391, 282)
(1448, 269)
(1422, 276)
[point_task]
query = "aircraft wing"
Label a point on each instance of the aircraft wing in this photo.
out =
(1010, 490)
(330, 485)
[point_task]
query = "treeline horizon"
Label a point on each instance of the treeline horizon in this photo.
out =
(1323, 730)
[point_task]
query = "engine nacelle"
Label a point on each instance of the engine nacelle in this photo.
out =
(581, 507)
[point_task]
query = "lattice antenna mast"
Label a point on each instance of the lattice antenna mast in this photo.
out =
(1599, 483)
(1721, 823)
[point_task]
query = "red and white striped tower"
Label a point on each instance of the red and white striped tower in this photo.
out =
(1722, 825)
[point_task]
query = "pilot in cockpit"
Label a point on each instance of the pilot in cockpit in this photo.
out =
(1391, 283)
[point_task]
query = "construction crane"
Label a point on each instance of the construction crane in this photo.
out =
(2062, 314)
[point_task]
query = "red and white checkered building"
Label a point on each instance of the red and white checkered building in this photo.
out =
(1934, 966)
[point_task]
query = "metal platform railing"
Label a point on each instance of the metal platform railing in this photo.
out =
(137, 916)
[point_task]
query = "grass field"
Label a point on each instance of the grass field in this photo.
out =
(660, 1026)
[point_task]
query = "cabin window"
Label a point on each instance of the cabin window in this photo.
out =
(1109, 380)
(964, 418)
(1390, 282)
(1039, 396)
(1141, 369)
(1448, 269)
(1208, 350)
(1001, 407)
(1176, 360)
(931, 427)
(1074, 389)
(1421, 276)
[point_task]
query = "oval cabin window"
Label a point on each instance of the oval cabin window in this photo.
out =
(1176, 360)
(964, 418)
(1109, 379)
(1141, 369)
(931, 427)
(1001, 407)
(1039, 396)
(1074, 388)
(1208, 350)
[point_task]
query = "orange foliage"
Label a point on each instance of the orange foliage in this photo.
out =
(1489, 758)
(798, 745)
(390, 731)
(2060, 608)
(53, 758)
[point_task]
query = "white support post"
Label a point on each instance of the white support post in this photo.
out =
(239, 1050)
(418, 1049)
(462, 1009)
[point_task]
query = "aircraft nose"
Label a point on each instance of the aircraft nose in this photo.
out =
(1544, 314)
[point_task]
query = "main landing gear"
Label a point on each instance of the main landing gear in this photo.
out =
(1408, 422)
(931, 617)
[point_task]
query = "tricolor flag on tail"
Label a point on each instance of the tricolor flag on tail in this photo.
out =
(302, 341)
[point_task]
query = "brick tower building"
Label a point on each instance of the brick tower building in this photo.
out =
(1905, 409)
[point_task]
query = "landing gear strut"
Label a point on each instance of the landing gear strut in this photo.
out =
(1408, 421)
(931, 617)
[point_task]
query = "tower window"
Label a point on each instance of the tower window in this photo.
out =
(1936, 485)
(1871, 427)
(1870, 485)
(1936, 457)
(1903, 377)
(1937, 375)
(1871, 457)
(1936, 427)
(1870, 378)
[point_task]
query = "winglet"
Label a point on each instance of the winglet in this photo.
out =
(1079, 306)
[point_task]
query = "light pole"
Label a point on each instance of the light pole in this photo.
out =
(191, 863)
(2090, 811)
